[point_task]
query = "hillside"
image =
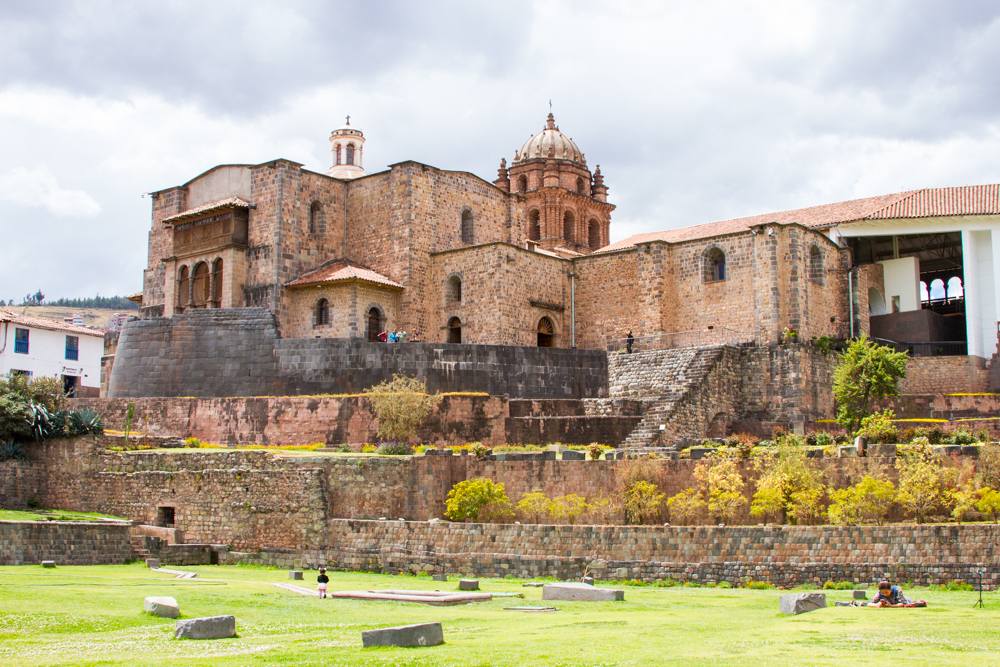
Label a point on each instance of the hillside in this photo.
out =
(92, 317)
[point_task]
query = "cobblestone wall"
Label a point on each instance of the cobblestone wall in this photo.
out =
(945, 375)
(781, 555)
(66, 543)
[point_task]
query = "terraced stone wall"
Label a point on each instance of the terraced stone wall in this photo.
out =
(65, 542)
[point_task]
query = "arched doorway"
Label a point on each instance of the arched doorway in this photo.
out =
(717, 427)
(454, 330)
(217, 283)
(876, 304)
(183, 288)
(534, 225)
(546, 333)
(374, 325)
(594, 234)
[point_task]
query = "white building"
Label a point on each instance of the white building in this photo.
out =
(39, 347)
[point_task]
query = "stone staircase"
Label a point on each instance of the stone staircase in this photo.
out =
(670, 376)
(140, 549)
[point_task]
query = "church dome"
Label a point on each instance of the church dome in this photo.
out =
(550, 139)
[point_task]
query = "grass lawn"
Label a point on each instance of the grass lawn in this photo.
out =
(93, 616)
(55, 515)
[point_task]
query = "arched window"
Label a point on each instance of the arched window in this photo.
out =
(924, 294)
(816, 265)
(546, 333)
(467, 227)
(322, 312)
(955, 289)
(374, 324)
(314, 212)
(522, 183)
(715, 265)
(454, 289)
(579, 186)
(454, 330)
(350, 153)
(938, 290)
(183, 287)
(338, 155)
(534, 225)
(201, 285)
(569, 221)
(217, 282)
(594, 234)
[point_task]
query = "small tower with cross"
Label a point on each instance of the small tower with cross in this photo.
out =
(347, 144)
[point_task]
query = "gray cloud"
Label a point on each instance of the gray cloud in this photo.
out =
(695, 111)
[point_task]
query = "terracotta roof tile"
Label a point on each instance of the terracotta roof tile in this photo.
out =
(340, 270)
(43, 323)
(212, 205)
(967, 200)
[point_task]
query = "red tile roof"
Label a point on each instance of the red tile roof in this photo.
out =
(42, 323)
(930, 202)
(210, 206)
(340, 270)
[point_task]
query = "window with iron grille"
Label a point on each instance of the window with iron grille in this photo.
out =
(73, 348)
(21, 341)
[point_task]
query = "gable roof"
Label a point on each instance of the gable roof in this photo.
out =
(42, 323)
(341, 270)
(926, 203)
(210, 206)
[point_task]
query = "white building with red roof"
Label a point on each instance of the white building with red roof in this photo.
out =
(39, 347)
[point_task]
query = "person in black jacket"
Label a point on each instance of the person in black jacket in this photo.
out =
(323, 581)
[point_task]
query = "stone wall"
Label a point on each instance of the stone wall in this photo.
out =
(237, 352)
(300, 420)
(781, 555)
(66, 543)
(945, 375)
(20, 483)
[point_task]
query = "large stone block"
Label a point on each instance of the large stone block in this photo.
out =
(166, 607)
(421, 634)
(800, 603)
(581, 592)
(209, 627)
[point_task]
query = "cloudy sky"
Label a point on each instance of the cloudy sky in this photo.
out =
(696, 111)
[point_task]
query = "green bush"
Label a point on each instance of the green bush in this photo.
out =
(963, 436)
(394, 449)
(820, 439)
(477, 499)
(839, 586)
(402, 405)
(15, 417)
(664, 583)
(879, 429)
(758, 585)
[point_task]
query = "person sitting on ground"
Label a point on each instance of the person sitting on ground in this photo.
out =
(889, 596)
(322, 580)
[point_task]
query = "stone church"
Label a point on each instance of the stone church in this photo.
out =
(527, 260)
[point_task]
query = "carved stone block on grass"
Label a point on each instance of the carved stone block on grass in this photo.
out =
(800, 603)
(468, 585)
(582, 592)
(153, 563)
(165, 607)
(421, 634)
(860, 595)
(295, 574)
(210, 627)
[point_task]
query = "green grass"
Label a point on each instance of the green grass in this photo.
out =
(93, 615)
(56, 515)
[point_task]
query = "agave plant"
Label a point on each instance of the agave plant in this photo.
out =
(10, 451)
(41, 421)
(82, 422)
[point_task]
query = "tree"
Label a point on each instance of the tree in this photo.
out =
(865, 372)
(401, 405)
(790, 485)
(685, 506)
(474, 499)
(867, 501)
(568, 507)
(724, 487)
(605, 509)
(919, 485)
(534, 505)
(642, 502)
(963, 499)
(989, 504)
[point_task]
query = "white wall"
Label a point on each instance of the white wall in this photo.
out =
(47, 354)
(980, 292)
(902, 280)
